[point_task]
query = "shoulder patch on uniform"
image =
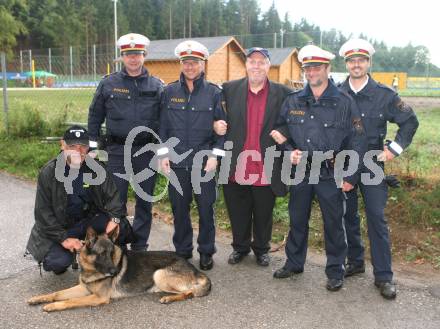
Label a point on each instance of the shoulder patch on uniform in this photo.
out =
(402, 106)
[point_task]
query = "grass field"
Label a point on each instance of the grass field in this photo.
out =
(75, 102)
(413, 210)
(420, 92)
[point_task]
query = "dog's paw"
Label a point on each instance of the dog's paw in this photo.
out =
(165, 300)
(35, 300)
(52, 307)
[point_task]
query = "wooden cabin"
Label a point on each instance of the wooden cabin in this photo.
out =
(285, 68)
(226, 59)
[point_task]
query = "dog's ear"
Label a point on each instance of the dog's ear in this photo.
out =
(113, 234)
(90, 237)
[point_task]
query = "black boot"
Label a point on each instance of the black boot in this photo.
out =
(206, 262)
(387, 289)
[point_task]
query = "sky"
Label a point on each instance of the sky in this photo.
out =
(395, 22)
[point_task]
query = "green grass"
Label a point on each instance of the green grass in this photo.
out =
(74, 102)
(422, 156)
(420, 92)
(25, 156)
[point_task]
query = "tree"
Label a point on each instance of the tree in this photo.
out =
(287, 25)
(10, 27)
(271, 20)
(31, 24)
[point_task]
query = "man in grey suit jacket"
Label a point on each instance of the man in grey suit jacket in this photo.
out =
(252, 104)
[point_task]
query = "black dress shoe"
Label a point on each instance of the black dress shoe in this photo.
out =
(353, 269)
(284, 272)
(387, 289)
(263, 259)
(236, 257)
(186, 256)
(206, 262)
(334, 284)
(59, 272)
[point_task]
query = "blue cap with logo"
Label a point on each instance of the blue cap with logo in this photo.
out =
(262, 51)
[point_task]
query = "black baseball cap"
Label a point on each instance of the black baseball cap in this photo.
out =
(76, 135)
(262, 51)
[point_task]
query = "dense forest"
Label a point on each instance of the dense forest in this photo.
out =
(38, 24)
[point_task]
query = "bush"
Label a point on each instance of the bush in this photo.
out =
(28, 121)
(56, 123)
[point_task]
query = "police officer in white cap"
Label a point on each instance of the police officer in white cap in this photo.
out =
(125, 100)
(318, 118)
(188, 110)
(377, 104)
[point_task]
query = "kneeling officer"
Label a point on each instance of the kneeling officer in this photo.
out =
(64, 208)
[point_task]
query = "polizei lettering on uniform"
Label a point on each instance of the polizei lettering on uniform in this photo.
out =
(177, 100)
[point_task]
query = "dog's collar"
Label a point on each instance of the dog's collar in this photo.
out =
(86, 279)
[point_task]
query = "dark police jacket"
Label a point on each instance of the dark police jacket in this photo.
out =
(190, 117)
(331, 123)
(51, 220)
(125, 102)
(378, 104)
(235, 95)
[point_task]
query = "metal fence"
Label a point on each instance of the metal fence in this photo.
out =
(72, 64)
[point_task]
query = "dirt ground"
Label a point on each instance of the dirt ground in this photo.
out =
(422, 102)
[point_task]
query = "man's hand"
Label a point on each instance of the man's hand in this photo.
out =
(277, 137)
(295, 156)
(386, 155)
(72, 244)
(165, 166)
(211, 164)
(111, 225)
(346, 186)
(220, 127)
(93, 154)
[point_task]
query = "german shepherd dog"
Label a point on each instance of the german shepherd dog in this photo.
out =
(108, 272)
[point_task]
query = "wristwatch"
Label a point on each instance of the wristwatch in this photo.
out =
(115, 220)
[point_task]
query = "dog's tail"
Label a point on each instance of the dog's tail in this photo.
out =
(202, 286)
